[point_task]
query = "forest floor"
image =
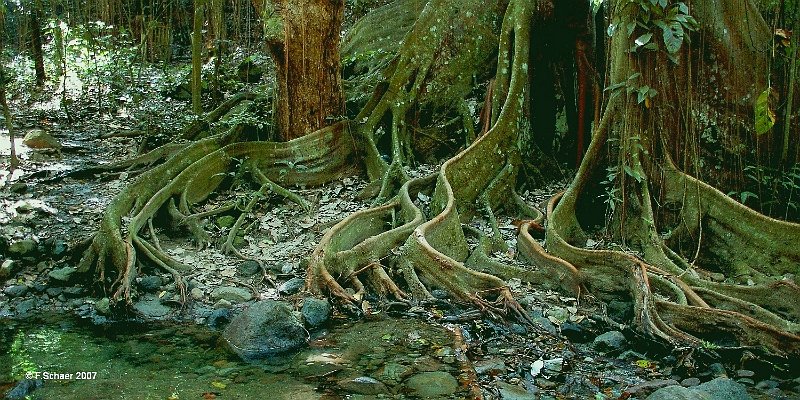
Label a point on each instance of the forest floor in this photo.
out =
(572, 350)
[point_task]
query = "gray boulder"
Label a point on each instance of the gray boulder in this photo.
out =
(267, 328)
(717, 389)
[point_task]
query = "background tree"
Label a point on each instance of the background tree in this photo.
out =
(197, 55)
(35, 15)
(303, 38)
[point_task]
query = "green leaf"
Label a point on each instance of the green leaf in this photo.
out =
(765, 117)
(644, 39)
(746, 195)
(631, 26)
(683, 8)
(633, 174)
(673, 37)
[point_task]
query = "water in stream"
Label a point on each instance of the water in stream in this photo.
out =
(125, 361)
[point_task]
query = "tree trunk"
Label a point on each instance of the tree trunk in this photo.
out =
(308, 66)
(36, 44)
(197, 57)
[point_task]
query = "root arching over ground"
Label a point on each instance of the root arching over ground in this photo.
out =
(409, 243)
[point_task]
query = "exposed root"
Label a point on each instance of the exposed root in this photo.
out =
(188, 178)
(672, 301)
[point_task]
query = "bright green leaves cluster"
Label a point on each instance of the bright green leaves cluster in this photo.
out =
(643, 92)
(765, 116)
(658, 18)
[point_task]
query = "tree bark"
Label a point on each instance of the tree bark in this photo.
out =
(36, 45)
(308, 65)
(197, 60)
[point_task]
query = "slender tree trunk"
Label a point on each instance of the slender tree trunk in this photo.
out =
(36, 44)
(308, 66)
(197, 59)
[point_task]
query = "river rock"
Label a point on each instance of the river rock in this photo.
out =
(249, 268)
(15, 290)
(8, 268)
(103, 306)
(151, 307)
(575, 333)
(24, 247)
(315, 311)
(150, 283)
(232, 294)
(363, 385)
(62, 274)
(23, 389)
(39, 139)
(292, 286)
(717, 389)
(432, 384)
(612, 341)
(197, 294)
(25, 307)
(265, 329)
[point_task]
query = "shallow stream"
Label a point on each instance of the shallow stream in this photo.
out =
(137, 361)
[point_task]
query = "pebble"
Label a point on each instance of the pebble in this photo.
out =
(645, 388)
(231, 294)
(363, 385)
(249, 268)
(62, 274)
(15, 290)
(611, 341)
(744, 373)
(574, 332)
(717, 370)
(23, 247)
(197, 294)
(292, 286)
